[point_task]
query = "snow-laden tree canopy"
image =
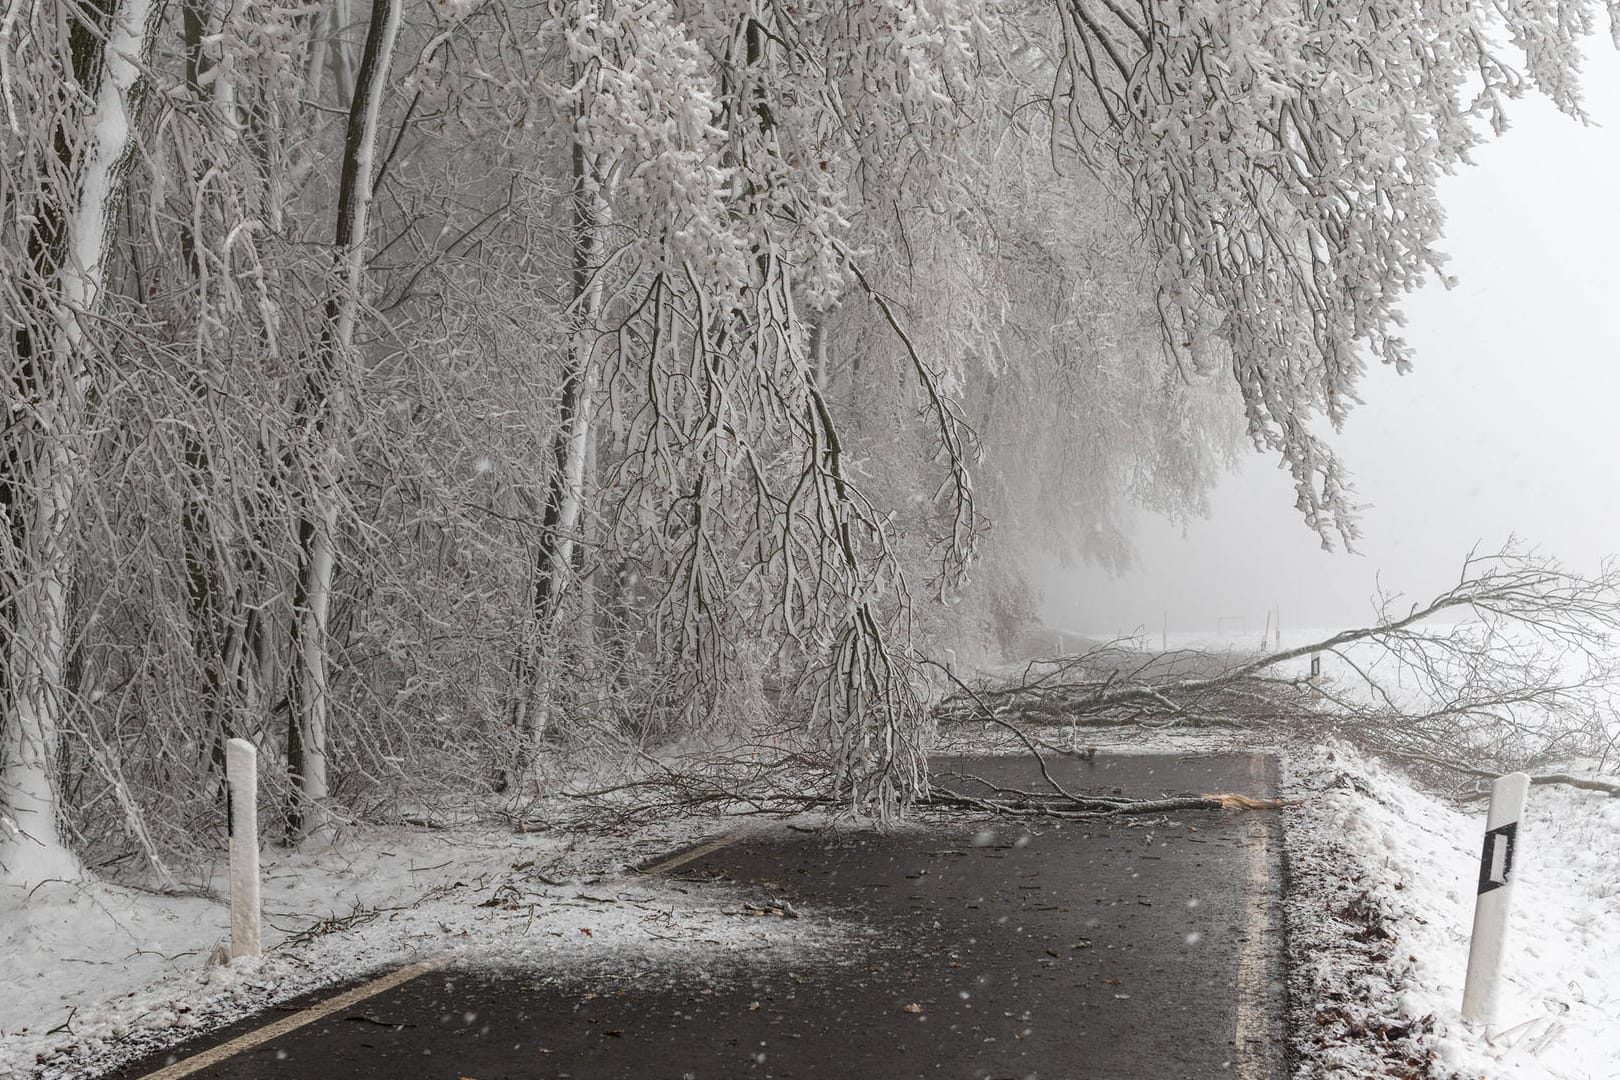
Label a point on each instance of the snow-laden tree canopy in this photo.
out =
(416, 388)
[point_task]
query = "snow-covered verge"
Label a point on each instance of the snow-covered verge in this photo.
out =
(1381, 901)
(97, 974)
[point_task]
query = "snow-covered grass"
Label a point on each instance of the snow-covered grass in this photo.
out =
(96, 974)
(1381, 906)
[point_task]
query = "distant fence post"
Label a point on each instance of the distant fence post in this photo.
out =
(242, 812)
(1496, 875)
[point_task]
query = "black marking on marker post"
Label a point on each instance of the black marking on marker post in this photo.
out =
(1508, 836)
(230, 812)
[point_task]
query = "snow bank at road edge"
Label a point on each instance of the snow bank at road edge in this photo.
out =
(1380, 908)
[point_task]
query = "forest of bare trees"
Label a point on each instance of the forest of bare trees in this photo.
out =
(416, 388)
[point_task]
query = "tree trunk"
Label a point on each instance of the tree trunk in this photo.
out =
(69, 247)
(325, 416)
(215, 611)
(560, 524)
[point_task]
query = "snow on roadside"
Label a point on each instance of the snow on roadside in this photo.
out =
(98, 974)
(1381, 904)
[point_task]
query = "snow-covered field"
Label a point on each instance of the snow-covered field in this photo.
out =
(1381, 901)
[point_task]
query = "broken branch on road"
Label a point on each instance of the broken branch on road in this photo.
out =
(1032, 804)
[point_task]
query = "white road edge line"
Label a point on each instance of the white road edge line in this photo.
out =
(1259, 1055)
(224, 1051)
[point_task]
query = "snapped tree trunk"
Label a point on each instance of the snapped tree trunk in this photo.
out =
(101, 59)
(324, 414)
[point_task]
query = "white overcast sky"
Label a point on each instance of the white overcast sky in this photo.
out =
(1510, 424)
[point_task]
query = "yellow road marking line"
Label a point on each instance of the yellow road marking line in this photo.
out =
(216, 1054)
(257, 1037)
(675, 861)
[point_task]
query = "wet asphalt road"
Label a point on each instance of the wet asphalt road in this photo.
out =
(1146, 950)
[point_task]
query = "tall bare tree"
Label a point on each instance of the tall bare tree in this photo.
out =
(324, 414)
(61, 208)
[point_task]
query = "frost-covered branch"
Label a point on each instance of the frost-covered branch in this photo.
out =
(1511, 667)
(1283, 166)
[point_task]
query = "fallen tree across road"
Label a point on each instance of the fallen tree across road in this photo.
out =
(1513, 667)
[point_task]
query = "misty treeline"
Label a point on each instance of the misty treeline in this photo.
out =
(412, 387)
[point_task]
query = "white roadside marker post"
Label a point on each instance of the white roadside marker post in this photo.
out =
(242, 814)
(1495, 891)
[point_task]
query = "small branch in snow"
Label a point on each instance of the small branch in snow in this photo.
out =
(66, 1025)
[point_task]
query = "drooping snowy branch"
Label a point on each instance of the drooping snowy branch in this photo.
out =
(1283, 161)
